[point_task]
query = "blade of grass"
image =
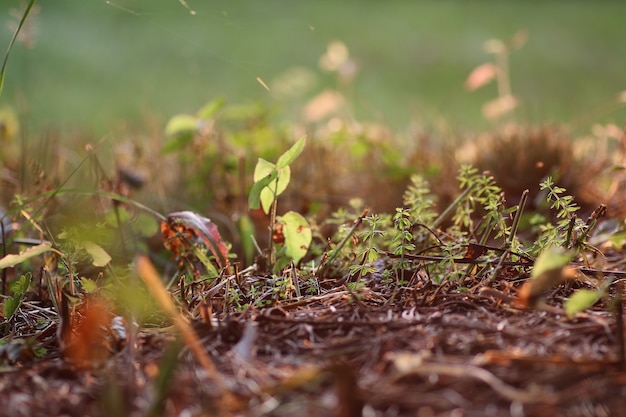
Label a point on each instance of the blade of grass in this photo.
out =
(87, 192)
(13, 39)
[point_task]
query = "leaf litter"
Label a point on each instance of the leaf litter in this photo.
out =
(377, 351)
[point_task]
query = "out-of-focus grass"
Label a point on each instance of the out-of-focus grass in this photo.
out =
(97, 64)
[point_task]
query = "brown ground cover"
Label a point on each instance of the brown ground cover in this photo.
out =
(418, 350)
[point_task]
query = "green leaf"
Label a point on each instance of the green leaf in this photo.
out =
(262, 169)
(145, 225)
(100, 256)
(254, 198)
(88, 285)
(18, 290)
(247, 232)
(581, 300)
(180, 129)
(211, 108)
(12, 260)
(298, 235)
(274, 188)
(17, 31)
(553, 258)
(291, 154)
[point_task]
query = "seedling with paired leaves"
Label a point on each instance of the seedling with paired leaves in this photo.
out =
(291, 231)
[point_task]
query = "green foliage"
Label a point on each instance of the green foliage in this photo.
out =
(271, 180)
(12, 260)
(18, 290)
(182, 128)
(297, 232)
(569, 231)
(584, 298)
(551, 259)
(480, 191)
(367, 255)
(100, 257)
(580, 300)
(88, 285)
(419, 201)
(402, 241)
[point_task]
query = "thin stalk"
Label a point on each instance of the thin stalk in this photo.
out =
(295, 280)
(514, 227)
(341, 244)
(272, 227)
(451, 207)
(12, 42)
(570, 229)
(518, 215)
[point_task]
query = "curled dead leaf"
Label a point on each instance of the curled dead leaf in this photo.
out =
(185, 229)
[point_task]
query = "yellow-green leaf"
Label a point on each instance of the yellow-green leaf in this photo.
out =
(298, 235)
(18, 290)
(274, 188)
(88, 285)
(100, 256)
(581, 300)
(291, 154)
(555, 258)
(12, 260)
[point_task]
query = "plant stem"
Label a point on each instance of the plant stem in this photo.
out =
(451, 207)
(518, 216)
(272, 227)
(341, 244)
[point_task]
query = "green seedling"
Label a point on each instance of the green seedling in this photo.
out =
(271, 180)
(18, 290)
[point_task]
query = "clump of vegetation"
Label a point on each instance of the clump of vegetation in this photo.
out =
(88, 273)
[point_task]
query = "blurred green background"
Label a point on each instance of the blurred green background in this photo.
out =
(96, 65)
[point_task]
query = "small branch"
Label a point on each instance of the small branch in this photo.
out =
(518, 216)
(451, 207)
(355, 225)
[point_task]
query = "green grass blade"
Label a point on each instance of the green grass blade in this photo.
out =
(17, 31)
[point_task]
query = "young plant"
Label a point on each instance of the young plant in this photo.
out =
(570, 231)
(371, 252)
(291, 230)
(402, 240)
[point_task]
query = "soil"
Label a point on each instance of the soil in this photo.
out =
(423, 350)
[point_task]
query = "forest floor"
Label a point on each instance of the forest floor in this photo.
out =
(419, 350)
